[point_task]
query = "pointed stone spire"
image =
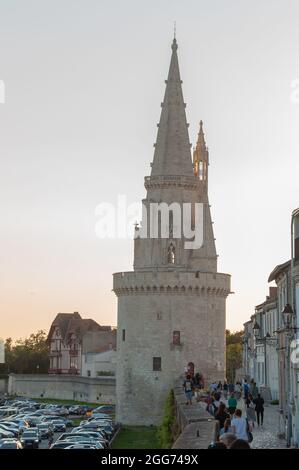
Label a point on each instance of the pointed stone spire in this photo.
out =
(172, 150)
(201, 158)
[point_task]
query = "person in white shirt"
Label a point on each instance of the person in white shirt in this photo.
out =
(240, 426)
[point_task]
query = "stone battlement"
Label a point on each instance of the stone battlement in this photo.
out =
(171, 282)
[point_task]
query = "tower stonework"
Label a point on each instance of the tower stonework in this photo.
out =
(171, 308)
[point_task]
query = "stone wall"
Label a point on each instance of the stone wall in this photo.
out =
(197, 427)
(97, 390)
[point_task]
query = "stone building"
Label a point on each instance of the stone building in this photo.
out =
(171, 308)
(271, 338)
(99, 353)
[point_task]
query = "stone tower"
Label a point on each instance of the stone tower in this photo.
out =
(171, 308)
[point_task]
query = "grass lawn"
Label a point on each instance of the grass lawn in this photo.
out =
(137, 437)
(55, 401)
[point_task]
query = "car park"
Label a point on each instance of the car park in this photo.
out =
(27, 424)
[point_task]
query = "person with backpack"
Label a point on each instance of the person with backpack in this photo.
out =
(259, 409)
(245, 390)
(188, 387)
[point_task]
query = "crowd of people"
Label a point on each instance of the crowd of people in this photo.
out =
(234, 425)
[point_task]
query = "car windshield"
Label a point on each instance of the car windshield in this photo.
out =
(29, 433)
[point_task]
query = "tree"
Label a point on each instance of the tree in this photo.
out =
(29, 355)
(233, 353)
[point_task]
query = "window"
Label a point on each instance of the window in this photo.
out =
(159, 316)
(88, 373)
(124, 335)
(176, 337)
(157, 363)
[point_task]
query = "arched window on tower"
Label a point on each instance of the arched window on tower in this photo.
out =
(171, 254)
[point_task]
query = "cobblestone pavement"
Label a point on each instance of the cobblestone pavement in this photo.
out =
(265, 437)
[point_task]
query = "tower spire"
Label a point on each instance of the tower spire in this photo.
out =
(201, 158)
(172, 149)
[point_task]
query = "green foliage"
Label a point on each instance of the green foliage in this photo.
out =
(137, 437)
(233, 353)
(56, 401)
(165, 430)
(29, 355)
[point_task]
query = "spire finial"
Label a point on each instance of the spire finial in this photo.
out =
(174, 42)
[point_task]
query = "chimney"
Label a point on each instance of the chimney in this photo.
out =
(272, 293)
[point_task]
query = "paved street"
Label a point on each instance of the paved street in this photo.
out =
(265, 437)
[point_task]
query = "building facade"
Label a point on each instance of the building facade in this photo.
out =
(171, 307)
(271, 339)
(69, 336)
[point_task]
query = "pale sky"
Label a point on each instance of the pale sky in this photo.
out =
(84, 82)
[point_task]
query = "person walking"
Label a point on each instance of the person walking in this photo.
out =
(50, 442)
(250, 410)
(188, 387)
(221, 415)
(255, 391)
(238, 389)
(259, 409)
(232, 404)
(240, 426)
(225, 389)
(245, 390)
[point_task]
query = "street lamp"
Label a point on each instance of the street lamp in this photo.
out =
(256, 329)
(287, 315)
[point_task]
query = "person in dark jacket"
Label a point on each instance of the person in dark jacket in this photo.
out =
(259, 409)
(221, 415)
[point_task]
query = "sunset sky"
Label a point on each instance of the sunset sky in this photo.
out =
(84, 81)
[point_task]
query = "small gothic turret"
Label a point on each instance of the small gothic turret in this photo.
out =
(201, 158)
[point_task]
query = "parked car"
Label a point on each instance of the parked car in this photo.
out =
(81, 446)
(10, 444)
(108, 409)
(14, 430)
(46, 430)
(6, 434)
(58, 425)
(30, 439)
